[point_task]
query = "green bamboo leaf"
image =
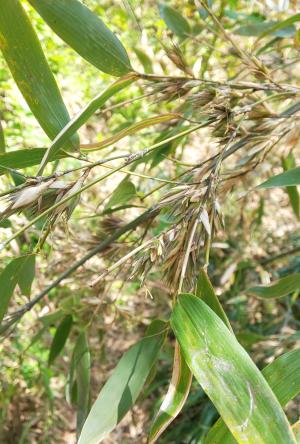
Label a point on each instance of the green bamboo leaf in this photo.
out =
(2, 140)
(168, 147)
(286, 179)
(13, 275)
(28, 65)
(206, 292)
(174, 20)
(257, 29)
(26, 275)
(132, 129)
(124, 192)
(282, 287)
(80, 373)
(283, 376)
(124, 385)
(20, 159)
(95, 104)
(83, 30)
(144, 60)
(60, 338)
(288, 163)
(281, 25)
(222, 366)
(175, 398)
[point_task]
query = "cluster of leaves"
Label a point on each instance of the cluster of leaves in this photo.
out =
(246, 107)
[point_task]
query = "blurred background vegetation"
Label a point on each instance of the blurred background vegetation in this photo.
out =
(260, 227)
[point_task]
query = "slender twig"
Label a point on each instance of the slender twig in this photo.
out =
(130, 159)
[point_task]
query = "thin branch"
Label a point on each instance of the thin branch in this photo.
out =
(151, 213)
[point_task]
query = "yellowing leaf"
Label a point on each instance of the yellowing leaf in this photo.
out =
(175, 398)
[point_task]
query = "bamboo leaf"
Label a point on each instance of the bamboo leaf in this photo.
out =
(144, 60)
(132, 129)
(83, 115)
(174, 20)
(13, 275)
(265, 28)
(20, 159)
(278, 289)
(123, 387)
(283, 376)
(286, 179)
(175, 398)
(28, 65)
(83, 30)
(281, 25)
(206, 292)
(81, 361)
(182, 376)
(60, 338)
(221, 365)
(2, 140)
(124, 192)
(288, 163)
(26, 275)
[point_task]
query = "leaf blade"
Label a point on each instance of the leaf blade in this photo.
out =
(9, 278)
(288, 163)
(82, 363)
(132, 129)
(206, 292)
(221, 365)
(286, 179)
(83, 30)
(174, 20)
(123, 387)
(28, 65)
(83, 115)
(20, 159)
(60, 338)
(175, 398)
(281, 287)
(283, 376)
(124, 192)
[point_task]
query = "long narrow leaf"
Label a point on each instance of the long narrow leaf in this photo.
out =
(277, 289)
(175, 398)
(86, 33)
(206, 292)
(222, 366)
(288, 163)
(174, 20)
(60, 338)
(28, 65)
(81, 361)
(281, 25)
(2, 140)
(123, 387)
(20, 159)
(124, 192)
(283, 376)
(132, 129)
(83, 116)
(13, 275)
(286, 179)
